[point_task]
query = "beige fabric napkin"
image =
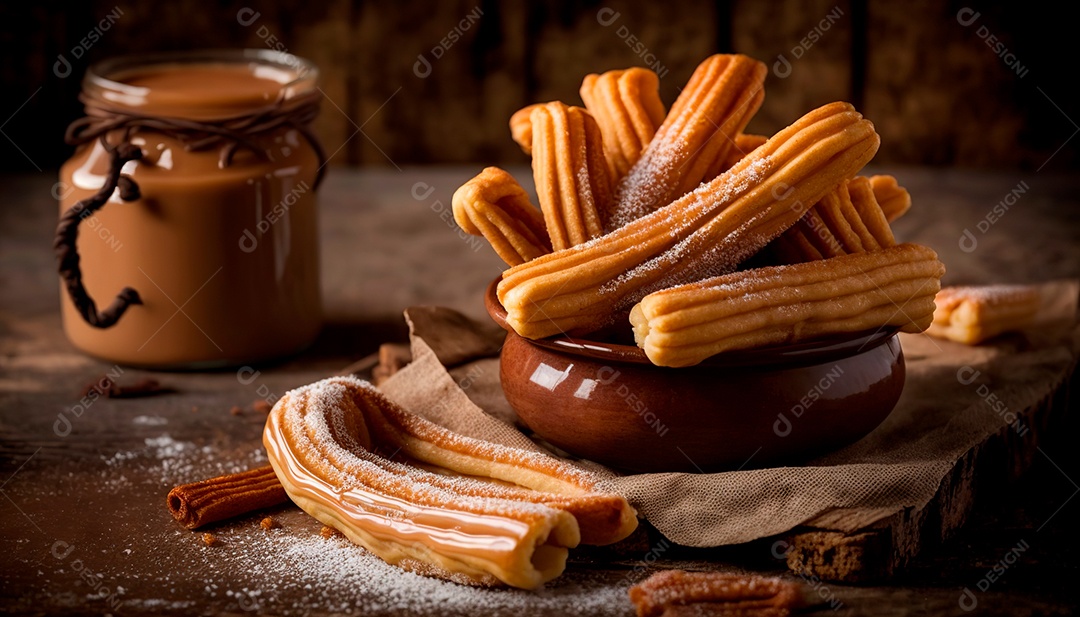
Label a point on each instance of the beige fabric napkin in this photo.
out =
(954, 398)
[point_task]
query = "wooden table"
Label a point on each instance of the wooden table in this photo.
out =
(84, 524)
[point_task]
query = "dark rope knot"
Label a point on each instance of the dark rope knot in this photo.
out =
(67, 234)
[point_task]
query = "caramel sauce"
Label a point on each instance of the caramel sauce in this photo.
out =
(201, 90)
(458, 534)
(235, 246)
(435, 518)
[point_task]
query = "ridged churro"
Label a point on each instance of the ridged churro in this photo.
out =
(675, 593)
(744, 144)
(684, 325)
(894, 199)
(442, 504)
(709, 230)
(692, 144)
(847, 220)
(521, 127)
(627, 106)
(974, 314)
(494, 205)
(571, 175)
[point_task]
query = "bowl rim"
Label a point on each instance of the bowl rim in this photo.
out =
(805, 352)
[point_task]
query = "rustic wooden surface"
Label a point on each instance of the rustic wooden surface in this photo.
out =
(939, 94)
(99, 491)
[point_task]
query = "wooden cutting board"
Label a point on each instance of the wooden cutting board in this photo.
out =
(880, 549)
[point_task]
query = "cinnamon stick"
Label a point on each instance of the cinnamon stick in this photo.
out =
(209, 501)
(676, 592)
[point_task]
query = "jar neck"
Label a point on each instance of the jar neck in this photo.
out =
(204, 86)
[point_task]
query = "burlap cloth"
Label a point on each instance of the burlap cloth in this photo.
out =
(954, 398)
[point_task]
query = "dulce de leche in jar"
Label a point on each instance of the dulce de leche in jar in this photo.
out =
(188, 230)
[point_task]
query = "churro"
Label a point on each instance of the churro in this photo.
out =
(627, 106)
(440, 503)
(847, 220)
(692, 143)
(675, 592)
(895, 287)
(974, 314)
(571, 173)
(521, 127)
(744, 144)
(720, 224)
(494, 205)
(894, 199)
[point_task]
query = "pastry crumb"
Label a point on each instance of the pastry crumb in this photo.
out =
(236, 410)
(262, 406)
(328, 532)
(269, 523)
(210, 539)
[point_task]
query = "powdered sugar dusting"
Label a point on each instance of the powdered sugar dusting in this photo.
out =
(646, 185)
(706, 258)
(296, 571)
(992, 294)
(171, 461)
(321, 412)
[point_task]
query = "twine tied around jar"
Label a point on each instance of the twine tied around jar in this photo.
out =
(227, 134)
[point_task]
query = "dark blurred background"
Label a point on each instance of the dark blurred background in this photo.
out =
(969, 84)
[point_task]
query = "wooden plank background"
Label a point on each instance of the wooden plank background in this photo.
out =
(938, 93)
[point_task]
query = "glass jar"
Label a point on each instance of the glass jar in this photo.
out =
(211, 230)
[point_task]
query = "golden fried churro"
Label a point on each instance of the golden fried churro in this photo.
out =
(684, 325)
(446, 505)
(570, 172)
(720, 224)
(495, 206)
(521, 127)
(972, 315)
(894, 199)
(847, 220)
(744, 144)
(627, 106)
(671, 592)
(692, 144)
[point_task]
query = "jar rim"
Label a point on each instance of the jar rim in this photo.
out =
(101, 77)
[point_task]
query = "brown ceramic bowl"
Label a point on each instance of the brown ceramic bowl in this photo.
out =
(780, 405)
